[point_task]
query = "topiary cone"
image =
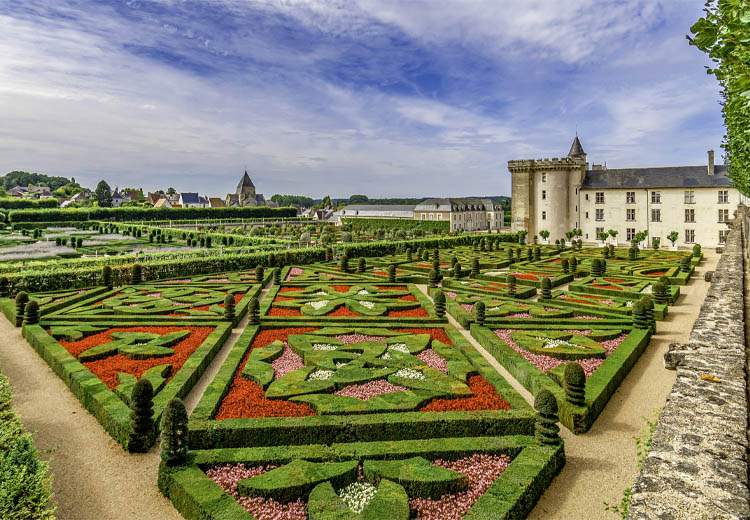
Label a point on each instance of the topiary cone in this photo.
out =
(546, 288)
(565, 265)
(439, 300)
(31, 313)
(141, 417)
(479, 312)
(574, 383)
(457, 274)
(660, 293)
(344, 264)
(685, 264)
(574, 265)
(229, 307)
(136, 274)
(260, 273)
(391, 273)
(639, 316)
(174, 446)
(253, 311)
(432, 279)
(408, 254)
(546, 429)
(361, 265)
(107, 277)
(276, 276)
(22, 298)
(648, 307)
(475, 267)
(511, 281)
(537, 254)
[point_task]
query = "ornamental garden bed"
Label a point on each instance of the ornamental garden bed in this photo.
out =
(536, 356)
(526, 276)
(620, 287)
(349, 303)
(321, 273)
(306, 382)
(440, 479)
(592, 303)
(495, 288)
(101, 362)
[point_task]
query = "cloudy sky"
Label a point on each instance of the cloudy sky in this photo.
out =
(316, 97)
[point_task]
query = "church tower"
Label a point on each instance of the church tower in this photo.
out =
(246, 191)
(545, 193)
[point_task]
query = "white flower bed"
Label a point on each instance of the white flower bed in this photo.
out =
(318, 305)
(340, 364)
(553, 343)
(324, 346)
(368, 305)
(648, 289)
(320, 293)
(629, 303)
(386, 356)
(357, 495)
(497, 273)
(363, 292)
(409, 373)
(320, 375)
(399, 347)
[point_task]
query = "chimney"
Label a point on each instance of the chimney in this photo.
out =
(710, 162)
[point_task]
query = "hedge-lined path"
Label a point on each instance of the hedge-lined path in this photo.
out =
(602, 462)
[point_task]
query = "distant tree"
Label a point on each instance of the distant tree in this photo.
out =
(288, 200)
(358, 199)
(21, 178)
(171, 191)
(103, 194)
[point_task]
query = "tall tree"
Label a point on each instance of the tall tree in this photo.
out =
(103, 194)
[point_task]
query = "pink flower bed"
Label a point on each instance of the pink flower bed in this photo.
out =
(370, 389)
(154, 294)
(587, 318)
(348, 339)
(287, 362)
(468, 307)
(451, 295)
(434, 360)
(217, 280)
(546, 363)
(294, 271)
(525, 315)
(482, 471)
(187, 280)
(227, 477)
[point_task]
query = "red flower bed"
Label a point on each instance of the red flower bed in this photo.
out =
(556, 261)
(485, 398)
(417, 312)
(391, 287)
(343, 311)
(237, 298)
(660, 273)
(408, 298)
(283, 299)
(436, 333)
(278, 311)
(290, 289)
(107, 369)
(522, 276)
(614, 280)
(247, 399)
(341, 288)
(540, 274)
(497, 284)
(611, 287)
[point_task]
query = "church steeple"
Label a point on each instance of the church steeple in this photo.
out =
(245, 183)
(576, 150)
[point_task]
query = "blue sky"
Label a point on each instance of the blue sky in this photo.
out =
(382, 97)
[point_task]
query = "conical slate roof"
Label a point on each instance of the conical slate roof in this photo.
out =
(576, 149)
(245, 182)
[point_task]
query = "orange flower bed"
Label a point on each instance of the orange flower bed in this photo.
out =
(246, 399)
(237, 298)
(290, 289)
(522, 276)
(660, 273)
(614, 280)
(341, 288)
(391, 287)
(107, 369)
(417, 312)
(611, 287)
(278, 311)
(485, 398)
(408, 298)
(283, 299)
(343, 311)
(436, 334)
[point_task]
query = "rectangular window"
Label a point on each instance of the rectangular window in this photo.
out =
(544, 215)
(655, 197)
(689, 236)
(723, 215)
(440, 216)
(630, 214)
(630, 234)
(689, 197)
(600, 197)
(587, 215)
(690, 215)
(630, 197)
(655, 215)
(587, 196)
(544, 177)
(544, 194)
(723, 235)
(432, 216)
(723, 196)
(599, 214)
(599, 230)
(423, 216)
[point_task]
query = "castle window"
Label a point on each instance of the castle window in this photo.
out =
(599, 214)
(587, 196)
(544, 177)
(689, 197)
(630, 197)
(599, 230)
(655, 215)
(630, 214)
(723, 197)
(655, 197)
(690, 215)
(544, 215)
(587, 215)
(544, 194)
(723, 215)
(689, 236)
(630, 234)
(723, 235)
(423, 216)
(600, 197)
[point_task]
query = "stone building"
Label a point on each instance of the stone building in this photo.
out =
(245, 194)
(562, 194)
(463, 214)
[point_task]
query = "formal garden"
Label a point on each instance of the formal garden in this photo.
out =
(357, 382)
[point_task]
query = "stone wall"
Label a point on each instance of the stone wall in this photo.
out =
(697, 464)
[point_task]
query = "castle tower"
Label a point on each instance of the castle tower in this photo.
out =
(545, 193)
(246, 191)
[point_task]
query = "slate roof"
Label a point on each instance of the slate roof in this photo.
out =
(245, 182)
(380, 207)
(452, 204)
(576, 149)
(652, 178)
(190, 198)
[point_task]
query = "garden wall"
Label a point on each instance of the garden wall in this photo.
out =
(697, 464)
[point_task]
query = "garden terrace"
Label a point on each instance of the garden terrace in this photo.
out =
(620, 287)
(495, 288)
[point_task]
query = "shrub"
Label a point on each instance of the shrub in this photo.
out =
(475, 267)
(329, 254)
(4, 286)
(391, 273)
(79, 242)
(136, 274)
(260, 273)
(361, 265)
(660, 292)
(648, 308)
(574, 265)
(346, 237)
(565, 265)
(596, 267)
(276, 276)
(479, 312)
(605, 252)
(141, 417)
(457, 274)
(454, 261)
(574, 383)
(22, 298)
(174, 425)
(537, 254)
(432, 278)
(612, 253)
(408, 254)
(436, 254)
(511, 281)
(546, 429)
(639, 316)
(439, 300)
(107, 277)
(344, 264)
(697, 250)
(31, 313)
(229, 307)
(546, 288)
(685, 264)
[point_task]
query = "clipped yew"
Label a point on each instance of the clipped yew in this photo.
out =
(457, 274)
(141, 417)
(22, 298)
(574, 384)
(648, 308)
(4, 286)
(639, 316)
(546, 288)
(329, 254)
(361, 265)
(479, 313)
(475, 267)
(260, 272)
(660, 292)
(565, 265)
(574, 265)
(229, 308)
(344, 263)
(174, 426)
(511, 281)
(391, 273)
(408, 254)
(596, 267)
(439, 299)
(537, 254)
(31, 313)
(432, 279)
(136, 274)
(546, 429)
(107, 277)
(685, 264)
(277, 276)
(253, 311)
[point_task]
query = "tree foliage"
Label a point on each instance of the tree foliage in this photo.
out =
(288, 200)
(103, 194)
(21, 178)
(724, 34)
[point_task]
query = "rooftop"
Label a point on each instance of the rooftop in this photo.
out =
(667, 177)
